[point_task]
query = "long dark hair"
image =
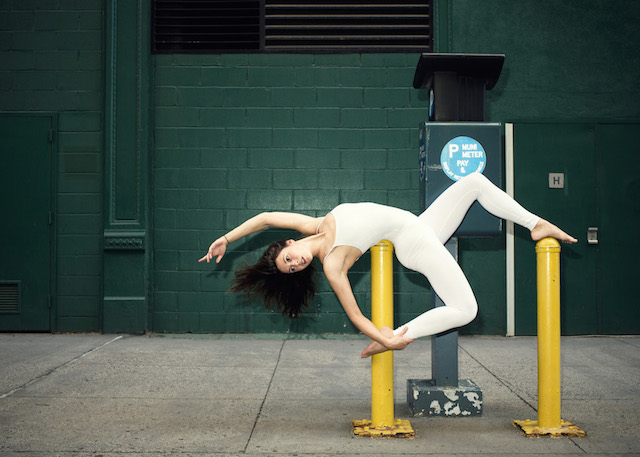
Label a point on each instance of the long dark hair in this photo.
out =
(286, 292)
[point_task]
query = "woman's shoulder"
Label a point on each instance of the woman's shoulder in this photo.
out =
(302, 223)
(359, 205)
(340, 260)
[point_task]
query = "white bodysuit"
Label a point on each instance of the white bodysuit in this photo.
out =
(419, 243)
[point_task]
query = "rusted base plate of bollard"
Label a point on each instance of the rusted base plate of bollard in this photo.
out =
(531, 428)
(400, 429)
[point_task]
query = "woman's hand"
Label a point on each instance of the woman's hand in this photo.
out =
(398, 342)
(391, 342)
(304, 224)
(217, 248)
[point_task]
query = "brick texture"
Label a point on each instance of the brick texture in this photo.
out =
(52, 61)
(238, 135)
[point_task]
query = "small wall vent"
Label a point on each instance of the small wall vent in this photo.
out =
(9, 297)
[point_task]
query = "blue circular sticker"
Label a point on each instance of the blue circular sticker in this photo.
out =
(462, 156)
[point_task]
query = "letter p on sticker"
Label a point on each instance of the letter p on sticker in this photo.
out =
(453, 148)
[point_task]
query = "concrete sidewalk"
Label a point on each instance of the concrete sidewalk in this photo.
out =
(110, 395)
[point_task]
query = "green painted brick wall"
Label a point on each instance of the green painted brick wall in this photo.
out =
(324, 129)
(240, 134)
(51, 60)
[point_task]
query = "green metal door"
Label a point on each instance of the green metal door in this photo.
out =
(26, 231)
(597, 192)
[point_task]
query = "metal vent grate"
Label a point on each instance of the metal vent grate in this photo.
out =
(341, 25)
(292, 25)
(9, 297)
(206, 25)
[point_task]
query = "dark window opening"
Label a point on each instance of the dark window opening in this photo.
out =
(219, 26)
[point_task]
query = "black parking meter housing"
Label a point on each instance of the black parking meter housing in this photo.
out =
(456, 84)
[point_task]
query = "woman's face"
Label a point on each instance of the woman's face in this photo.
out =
(294, 257)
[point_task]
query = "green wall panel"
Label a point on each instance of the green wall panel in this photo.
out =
(564, 60)
(52, 61)
(127, 240)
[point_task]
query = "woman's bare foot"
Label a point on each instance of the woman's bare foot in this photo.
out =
(544, 229)
(372, 349)
(375, 347)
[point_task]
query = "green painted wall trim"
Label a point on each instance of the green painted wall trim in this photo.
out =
(127, 247)
(442, 25)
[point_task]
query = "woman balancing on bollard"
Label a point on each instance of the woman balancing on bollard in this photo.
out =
(283, 276)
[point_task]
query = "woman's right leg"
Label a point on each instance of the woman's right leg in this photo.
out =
(460, 303)
(447, 280)
(420, 250)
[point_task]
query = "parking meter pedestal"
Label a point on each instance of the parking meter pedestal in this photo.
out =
(444, 394)
(455, 143)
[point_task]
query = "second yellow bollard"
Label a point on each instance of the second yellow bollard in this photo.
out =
(549, 422)
(548, 289)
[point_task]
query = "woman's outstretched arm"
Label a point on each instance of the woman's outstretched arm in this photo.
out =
(303, 224)
(340, 284)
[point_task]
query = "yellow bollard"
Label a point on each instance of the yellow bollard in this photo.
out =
(549, 422)
(382, 422)
(548, 282)
(382, 316)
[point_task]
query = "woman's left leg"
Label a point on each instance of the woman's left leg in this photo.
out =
(422, 250)
(446, 213)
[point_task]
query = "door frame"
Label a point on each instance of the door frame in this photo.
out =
(53, 198)
(510, 252)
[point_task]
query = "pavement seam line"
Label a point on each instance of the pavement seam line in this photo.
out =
(53, 370)
(255, 423)
(624, 341)
(500, 380)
